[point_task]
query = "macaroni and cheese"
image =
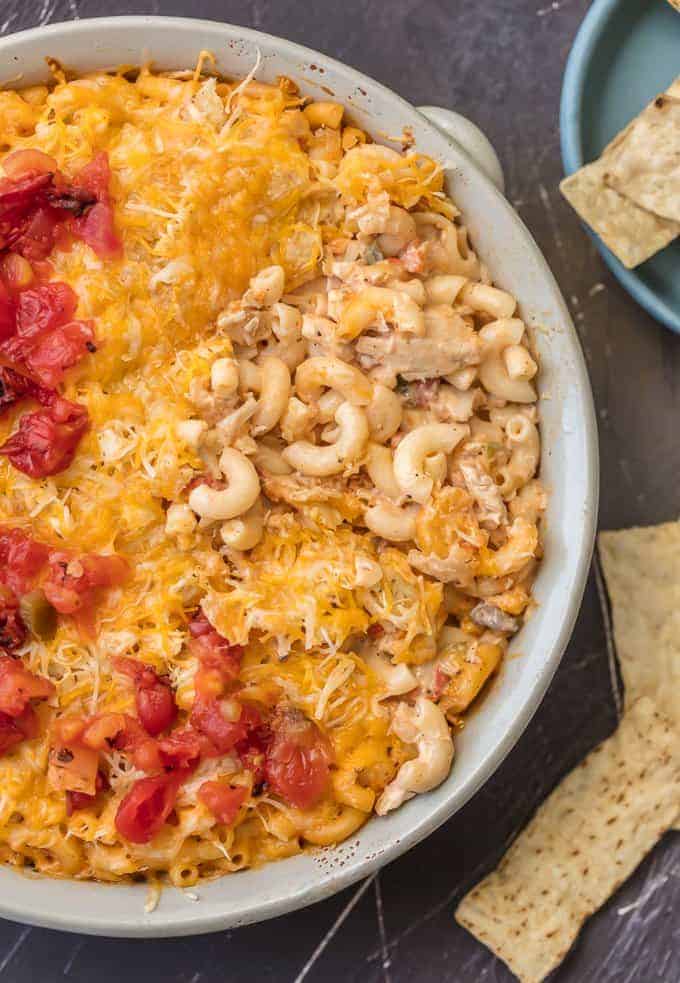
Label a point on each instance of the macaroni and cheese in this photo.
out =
(269, 511)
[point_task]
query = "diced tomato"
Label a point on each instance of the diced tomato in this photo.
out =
(17, 273)
(252, 751)
(185, 748)
(44, 308)
(155, 700)
(209, 716)
(253, 759)
(21, 559)
(101, 731)
(13, 387)
(79, 800)
(59, 350)
(46, 441)
(97, 230)
(126, 734)
(71, 582)
(200, 626)
(14, 730)
(19, 197)
(147, 805)
(219, 662)
(37, 205)
(298, 759)
(10, 734)
(156, 707)
(224, 801)
(8, 314)
(68, 730)
(143, 749)
(28, 722)
(74, 201)
(22, 163)
(12, 628)
(18, 686)
(47, 341)
(96, 226)
(36, 239)
(27, 221)
(95, 176)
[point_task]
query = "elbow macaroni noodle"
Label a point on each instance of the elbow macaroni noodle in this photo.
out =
(326, 437)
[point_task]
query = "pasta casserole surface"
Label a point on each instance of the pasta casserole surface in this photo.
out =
(269, 511)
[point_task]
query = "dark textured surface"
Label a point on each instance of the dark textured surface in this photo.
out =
(499, 62)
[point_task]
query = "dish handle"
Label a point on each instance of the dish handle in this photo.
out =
(470, 138)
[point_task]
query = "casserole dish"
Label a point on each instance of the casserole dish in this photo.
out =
(568, 468)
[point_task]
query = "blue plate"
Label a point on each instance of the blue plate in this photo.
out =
(625, 53)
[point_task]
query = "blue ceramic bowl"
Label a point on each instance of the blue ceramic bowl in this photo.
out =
(626, 51)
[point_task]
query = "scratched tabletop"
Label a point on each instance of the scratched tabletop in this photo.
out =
(500, 63)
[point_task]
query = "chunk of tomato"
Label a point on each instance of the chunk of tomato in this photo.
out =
(8, 314)
(13, 387)
(14, 730)
(126, 734)
(28, 722)
(18, 686)
(95, 226)
(10, 734)
(155, 700)
(20, 196)
(184, 748)
(12, 628)
(34, 239)
(28, 163)
(224, 801)
(298, 759)
(219, 721)
(59, 350)
(219, 661)
(44, 308)
(21, 560)
(72, 582)
(46, 441)
(146, 807)
(79, 800)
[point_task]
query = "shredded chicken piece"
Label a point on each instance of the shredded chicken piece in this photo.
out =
(421, 358)
(456, 567)
(491, 509)
(297, 490)
(489, 616)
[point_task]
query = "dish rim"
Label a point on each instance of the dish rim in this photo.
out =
(588, 37)
(198, 922)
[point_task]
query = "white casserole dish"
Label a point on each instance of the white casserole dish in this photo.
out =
(568, 468)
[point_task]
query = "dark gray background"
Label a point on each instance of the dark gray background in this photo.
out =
(500, 62)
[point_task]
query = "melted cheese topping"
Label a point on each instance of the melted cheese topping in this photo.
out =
(210, 182)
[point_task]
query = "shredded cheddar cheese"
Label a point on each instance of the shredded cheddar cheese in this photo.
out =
(211, 183)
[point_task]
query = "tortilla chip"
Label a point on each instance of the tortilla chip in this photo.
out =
(645, 166)
(642, 571)
(583, 842)
(632, 233)
(675, 4)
